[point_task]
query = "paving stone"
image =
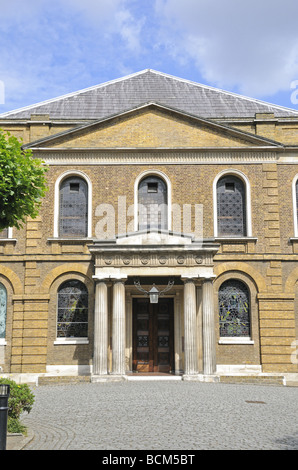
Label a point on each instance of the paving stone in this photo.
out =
(163, 416)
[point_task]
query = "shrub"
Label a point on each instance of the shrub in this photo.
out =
(20, 400)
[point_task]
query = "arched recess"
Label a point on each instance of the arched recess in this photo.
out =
(295, 204)
(166, 180)
(77, 351)
(256, 277)
(245, 180)
(66, 268)
(60, 179)
(291, 281)
(13, 279)
(237, 349)
(13, 286)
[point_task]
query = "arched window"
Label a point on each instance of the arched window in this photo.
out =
(73, 207)
(153, 203)
(3, 310)
(234, 309)
(231, 207)
(296, 209)
(4, 233)
(72, 315)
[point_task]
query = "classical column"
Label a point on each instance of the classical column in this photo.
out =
(100, 356)
(118, 329)
(128, 328)
(190, 328)
(200, 328)
(177, 333)
(209, 358)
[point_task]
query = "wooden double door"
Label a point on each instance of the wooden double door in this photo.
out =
(153, 335)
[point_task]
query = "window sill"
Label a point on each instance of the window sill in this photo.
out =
(3, 342)
(70, 240)
(230, 239)
(67, 341)
(8, 240)
(232, 340)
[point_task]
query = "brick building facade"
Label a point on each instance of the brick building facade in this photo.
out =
(155, 180)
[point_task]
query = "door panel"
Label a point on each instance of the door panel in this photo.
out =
(153, 336)
(142, 337)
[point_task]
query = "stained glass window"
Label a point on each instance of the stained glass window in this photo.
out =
(231, 210)
(153, 200)
(234, 309)
(3, 309)
(297, 199)
(73, 210)
(72, 318)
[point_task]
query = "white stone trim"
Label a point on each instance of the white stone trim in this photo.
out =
(245, 180)
(236, 340)
(71, 370)
(166, 179)
(295, 206)
(238, 368)
(64, 175)
(67, 341)
(135, 156)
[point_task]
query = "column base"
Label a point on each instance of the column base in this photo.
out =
(201, 378)
(108, 378)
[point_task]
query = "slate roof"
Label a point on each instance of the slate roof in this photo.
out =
(117, 96)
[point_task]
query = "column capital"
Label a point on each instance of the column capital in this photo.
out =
(110, 277)
(211, 278)
(100, 278)
(121, 278)
(186, 279)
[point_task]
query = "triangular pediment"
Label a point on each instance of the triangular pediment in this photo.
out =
(159, 238)
(152, 126)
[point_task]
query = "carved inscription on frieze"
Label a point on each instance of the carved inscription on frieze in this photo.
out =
(152, 259)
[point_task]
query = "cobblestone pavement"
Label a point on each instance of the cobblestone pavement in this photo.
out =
(163, 416)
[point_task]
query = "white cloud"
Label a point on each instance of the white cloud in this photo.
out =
(130, 30)
(252, 46)
(110, 17)
(51, 48)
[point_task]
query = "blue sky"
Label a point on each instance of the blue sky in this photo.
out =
(48, 49)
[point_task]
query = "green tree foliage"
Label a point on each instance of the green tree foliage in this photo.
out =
(22, 182)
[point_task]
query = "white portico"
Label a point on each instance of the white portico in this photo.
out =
(155, 257)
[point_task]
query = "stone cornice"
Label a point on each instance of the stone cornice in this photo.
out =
(155, 156)
(110, 255)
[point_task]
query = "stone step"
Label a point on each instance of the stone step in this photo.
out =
(232, 379)
(292, 384)
(65, 379)
(253, 379)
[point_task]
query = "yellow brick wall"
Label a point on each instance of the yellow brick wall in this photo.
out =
(153, 130)
(37, 265)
